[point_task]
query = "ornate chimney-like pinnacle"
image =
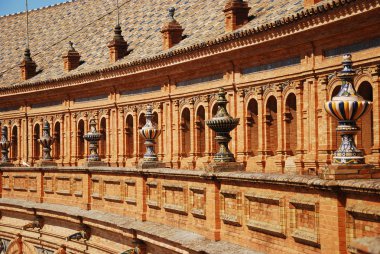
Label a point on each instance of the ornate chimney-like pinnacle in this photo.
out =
(236, 12)
(71, 59)
(28, 66)
(171, 30)
(118, 46)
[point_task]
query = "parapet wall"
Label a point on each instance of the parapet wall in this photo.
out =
(264, 212)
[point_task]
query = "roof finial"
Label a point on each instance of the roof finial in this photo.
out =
(118, 14)
(171, 12)
(27, 24)
(71, 45)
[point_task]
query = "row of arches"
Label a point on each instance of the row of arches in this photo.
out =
(262, 131)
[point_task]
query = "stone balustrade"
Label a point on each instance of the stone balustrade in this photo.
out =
(263, 212)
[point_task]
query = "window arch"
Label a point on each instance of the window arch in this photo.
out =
(14, 141)
(291, 123)
(129, 130)
(103, 140)
(365, 123)
(36, 144)
(141, 149)
(185, 132)
(57, 141)
(200, 131)
(80, 140)
(271, 139)
(252, 127)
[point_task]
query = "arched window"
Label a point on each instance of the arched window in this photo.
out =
(14, 140)
(271, 126)
(185, 132)
(129, 136)
(200, 131)
(80, 140)
(57, 141)
(252, 127)
(103, 140)
(291, 124)
(36, 144)
(365, 123)
(142, 122)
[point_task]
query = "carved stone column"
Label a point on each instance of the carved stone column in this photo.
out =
(300, 151)
(191, 162)
(375, 156)
(280, 153)
(176, 129)
(241, 128)
(30, 141)
(121, 138)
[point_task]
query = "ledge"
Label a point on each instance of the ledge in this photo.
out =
(168, 234)
(312, 182)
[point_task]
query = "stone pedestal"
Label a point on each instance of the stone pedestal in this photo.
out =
(223, 166)
(6, 164)
(44, 163)
(95, 164)
(349, 171)
(150, 164)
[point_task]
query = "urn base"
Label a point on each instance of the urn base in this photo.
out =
(223, 166)
(94, 164)
(349, 171)
(46, 164)
(6, 164)
(150, 164)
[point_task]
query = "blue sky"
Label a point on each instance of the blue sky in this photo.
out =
(12, 6)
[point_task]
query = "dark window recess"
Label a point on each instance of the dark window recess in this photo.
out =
(274, 65)
(9, 109)
(200, 80)
(141, 91)
(46, 104)
(93, 98)
(372, 43)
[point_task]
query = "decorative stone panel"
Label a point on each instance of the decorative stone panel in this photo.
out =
(48, 184)
(63, 185)
(20, 183)
(6, 182)
(112, 190)
(78, 186)
(362, 221)
(130, 191)
(304, 221)
(153, 191)
(265, 214)
(198, 201)
(230, 207)
(96, 188)
(32, 183)
(175, 198)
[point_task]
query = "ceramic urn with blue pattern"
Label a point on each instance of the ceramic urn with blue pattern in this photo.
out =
(347, 107)
(150, 132)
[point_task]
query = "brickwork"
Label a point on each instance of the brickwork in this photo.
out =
(268, 213)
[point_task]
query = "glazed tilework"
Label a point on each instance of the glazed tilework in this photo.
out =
(90, 23)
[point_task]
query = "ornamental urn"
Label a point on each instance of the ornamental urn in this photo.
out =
(347, 107)
(222, 123)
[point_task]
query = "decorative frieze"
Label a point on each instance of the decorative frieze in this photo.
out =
(130, 191)
(96, 188)
(63, 185)
(153, 191)
(112, 190)
(78, 186)
(32, 183)
(48, 184)
(265, 214)
(304, 220)
(230, 207)
(198, 201)
(362, 221)
(20, 183)
(6, 182)
(174, 198)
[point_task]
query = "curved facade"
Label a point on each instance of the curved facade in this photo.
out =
(277, 61)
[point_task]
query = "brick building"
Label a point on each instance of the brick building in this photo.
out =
(277, 61)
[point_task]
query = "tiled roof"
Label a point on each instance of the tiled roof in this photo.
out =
(90, 23)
